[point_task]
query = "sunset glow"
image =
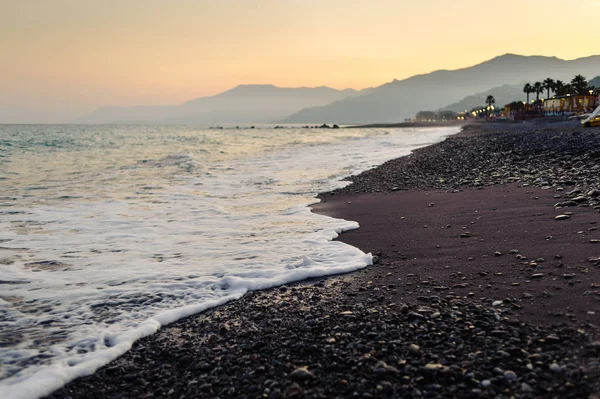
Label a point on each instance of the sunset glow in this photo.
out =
(64, 58)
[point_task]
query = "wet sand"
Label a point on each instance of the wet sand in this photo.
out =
(478, 291)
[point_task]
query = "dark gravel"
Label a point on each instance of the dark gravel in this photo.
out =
(311, 341)
(480, 156)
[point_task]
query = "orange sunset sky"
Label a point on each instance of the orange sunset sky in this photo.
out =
(63, 58)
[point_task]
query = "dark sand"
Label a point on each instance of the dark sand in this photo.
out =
(418, 233)
(439, 315)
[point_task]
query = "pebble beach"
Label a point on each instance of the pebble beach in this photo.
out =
(486, 283)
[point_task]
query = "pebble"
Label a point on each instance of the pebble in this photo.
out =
(510, 375)
(562, 217)
(301, 374)
(414, 348)
(554, 367)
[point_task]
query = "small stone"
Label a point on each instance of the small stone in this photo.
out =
(510, 375)
(383, 368)
(553, 339)
(496, 303)
(434, 366)
(293, 390)
(486, 383)
(555, 368)
(414, 348)
(526, 388)
(537, 275)
(497, 253)
(301, 374)
(513, 251)
(276, 394)
(562, 217)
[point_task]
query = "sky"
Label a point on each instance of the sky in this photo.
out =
(61, 59)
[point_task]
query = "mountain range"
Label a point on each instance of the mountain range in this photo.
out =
(242, 104)
(503, 77)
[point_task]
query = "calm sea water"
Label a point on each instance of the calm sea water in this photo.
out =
(109, 232)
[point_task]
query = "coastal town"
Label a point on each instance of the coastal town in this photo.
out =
(554, 100)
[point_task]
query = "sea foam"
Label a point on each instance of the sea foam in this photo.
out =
(123, 230)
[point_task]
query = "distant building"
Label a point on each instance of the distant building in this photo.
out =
(570, 103)
(447, 116)
(430, 116)
(425, 116)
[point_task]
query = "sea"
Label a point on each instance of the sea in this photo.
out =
(109, 232)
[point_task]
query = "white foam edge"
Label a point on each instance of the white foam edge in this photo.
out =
(53, 377)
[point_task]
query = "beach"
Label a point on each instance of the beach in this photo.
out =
(485, 283)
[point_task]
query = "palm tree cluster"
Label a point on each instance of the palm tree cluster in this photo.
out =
(578, 85)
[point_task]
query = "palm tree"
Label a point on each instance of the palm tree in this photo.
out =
(537, 89)
(579, 83)
(559, 88)
(568, 88)
(549, 85)
(490, 100)
(527, 89)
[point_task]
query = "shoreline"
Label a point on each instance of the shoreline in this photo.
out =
(345, 328)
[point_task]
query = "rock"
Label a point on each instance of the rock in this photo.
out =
(497, 253)
(293, 391)
(415, 316)
(552, 339)
(414, 348)
(526, 388)
(276, 394)
(301, 374)
(593, 193)
(434, 366)
(537, 275)
(510, 375)
(555, 368)
(383, 368)
(562, 217)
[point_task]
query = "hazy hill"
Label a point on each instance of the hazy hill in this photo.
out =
(394, 101)
(242, 104)
(595, 82)
(502, 94)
